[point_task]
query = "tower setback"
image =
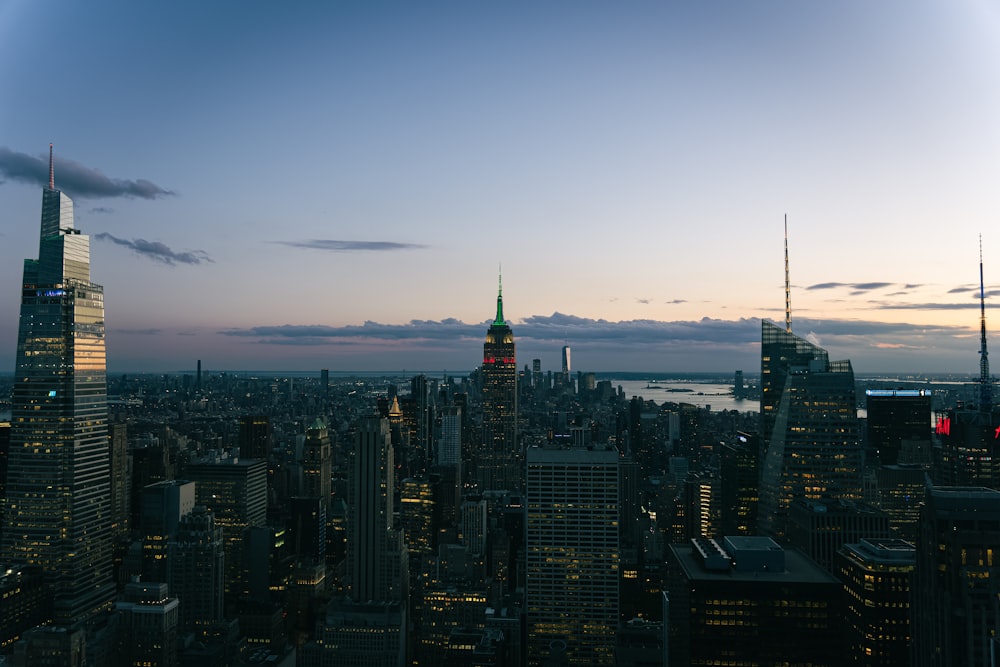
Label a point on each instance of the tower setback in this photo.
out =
(58, 493)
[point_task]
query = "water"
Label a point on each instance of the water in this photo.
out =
(704, 394)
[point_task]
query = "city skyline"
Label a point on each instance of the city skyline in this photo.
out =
(296, 188)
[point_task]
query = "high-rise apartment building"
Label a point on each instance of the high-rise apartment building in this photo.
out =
(501, 462)
(572, 555)
(58, 494)
(809, 427)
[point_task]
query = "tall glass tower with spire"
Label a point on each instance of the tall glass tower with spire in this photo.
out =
(58, 487)
(501, 464)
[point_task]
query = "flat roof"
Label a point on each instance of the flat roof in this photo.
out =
(798, 569)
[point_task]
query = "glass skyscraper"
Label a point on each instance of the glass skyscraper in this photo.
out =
(58, 493)
(809, 427)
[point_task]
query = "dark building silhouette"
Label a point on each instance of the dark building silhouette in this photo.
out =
(956, 585)
(819, 528)
(745, 601)
(255, 437)
(895, 415)
(149, 619)
(196, 569)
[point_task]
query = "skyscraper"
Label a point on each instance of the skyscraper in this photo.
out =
(956, 584)
(809, 426)
(375, 551)
(58, 492)
(572, 555)
(501, 461)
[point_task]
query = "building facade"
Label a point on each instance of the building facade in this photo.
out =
(809, 426)
(572, 555)
(58, 495)
(500, 463)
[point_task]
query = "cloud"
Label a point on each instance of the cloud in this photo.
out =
(157, 251)
(350, 246)
(73, 177)
(857, 288)
(140, 332)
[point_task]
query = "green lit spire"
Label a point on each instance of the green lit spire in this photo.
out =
(499, 319)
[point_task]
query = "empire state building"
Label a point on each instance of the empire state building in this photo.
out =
(58, 486)
(501, 463)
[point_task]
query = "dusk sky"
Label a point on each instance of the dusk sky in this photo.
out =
(296, 186)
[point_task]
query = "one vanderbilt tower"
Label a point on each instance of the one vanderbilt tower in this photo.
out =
(58, 498)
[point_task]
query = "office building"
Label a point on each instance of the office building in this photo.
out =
(376, 555)
(57, 504)
(195, 569)
(876, 577)
(956, 583)
(500, 460)
(819, 528)
(809, 427)
(149, 622)
(745, 601)
(255, 436)
(317, 464)
(895, 415)
(120, 477)
(235, 490)
(572, 554)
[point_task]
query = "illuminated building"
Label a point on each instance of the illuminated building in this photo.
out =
(739, 486)
(162, 506)
(417, 514)
(572, 554)
(809, 426)
(956, 583)
(745, 601)
(118, 441)
(58, 494)
(900, 493)
(876, 576)
(317, 462)
(500, 463)
(895, 415)
(24, 602)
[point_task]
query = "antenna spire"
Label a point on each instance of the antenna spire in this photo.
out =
(985, 383)
(788, 287)
(499, 318)
(52, 173)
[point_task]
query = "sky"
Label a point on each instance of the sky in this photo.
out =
(296, 186)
